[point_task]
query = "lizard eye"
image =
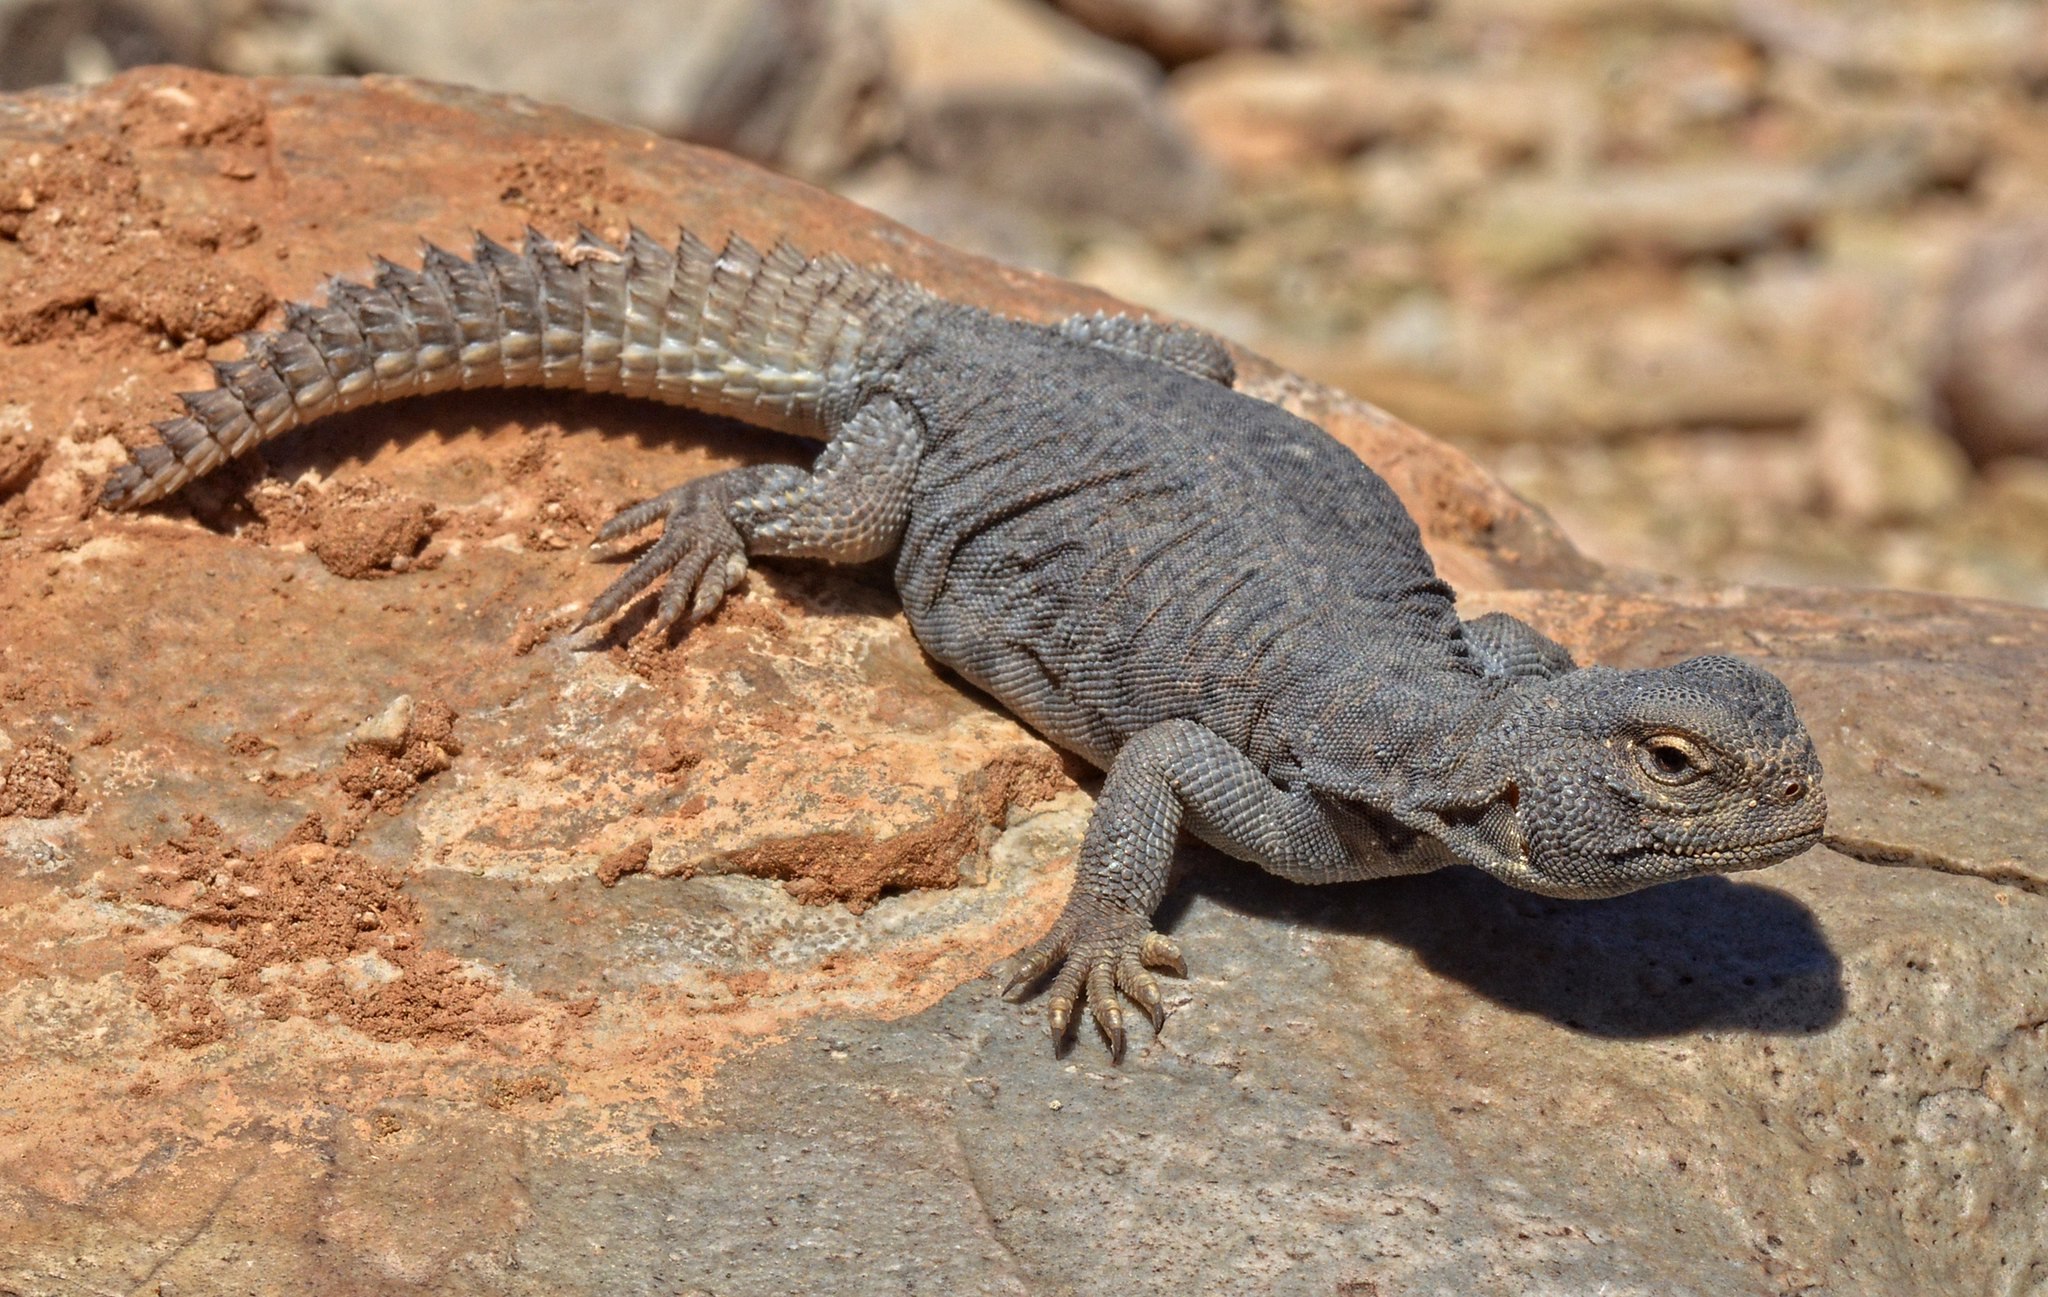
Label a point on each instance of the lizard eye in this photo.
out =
(1669, 759)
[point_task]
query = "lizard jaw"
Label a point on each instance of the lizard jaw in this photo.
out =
(1755, 855)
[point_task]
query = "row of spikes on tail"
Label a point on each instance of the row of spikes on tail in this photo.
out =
(762, 337)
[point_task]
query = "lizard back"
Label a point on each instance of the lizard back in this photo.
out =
(1104, 543)
(1097, 536)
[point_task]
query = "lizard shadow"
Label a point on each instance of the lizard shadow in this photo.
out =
(459, 447)
(1706, 953)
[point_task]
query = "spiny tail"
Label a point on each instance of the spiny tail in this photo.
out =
(762, 337)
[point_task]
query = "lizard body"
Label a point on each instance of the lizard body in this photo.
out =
(1204, 596)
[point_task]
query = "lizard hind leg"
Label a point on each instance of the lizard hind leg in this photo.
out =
(850, 506)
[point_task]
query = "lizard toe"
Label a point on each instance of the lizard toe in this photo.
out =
(1103, 1006)
(1024, 971)
(1156, 951)
(699, 551)
(678, 592)
(1100, 951)
(1061, 999)
(647, 569)
(718, 581)
(1141, 989)
(636, 516)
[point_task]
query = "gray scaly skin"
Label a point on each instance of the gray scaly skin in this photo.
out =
(1204, 596)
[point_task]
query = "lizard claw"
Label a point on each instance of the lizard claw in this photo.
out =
(1099, 949)
(1156, 951)
(700, 552)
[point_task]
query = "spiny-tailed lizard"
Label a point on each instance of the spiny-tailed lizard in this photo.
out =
(1199, 593)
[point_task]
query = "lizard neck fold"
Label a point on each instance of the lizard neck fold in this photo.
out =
(1427, 757)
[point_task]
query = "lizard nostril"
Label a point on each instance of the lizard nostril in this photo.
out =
(1794, 790)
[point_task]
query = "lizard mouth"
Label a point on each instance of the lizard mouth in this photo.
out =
(1753, 855)
(1662, 863)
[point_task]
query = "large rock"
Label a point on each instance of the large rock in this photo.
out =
(361, 937)
(1012, 99)
(1991, 362)
(800, 83)
(1716, 209)
(1257, 111)
(1181, 31)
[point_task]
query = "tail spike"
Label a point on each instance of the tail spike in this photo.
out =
(765, 337)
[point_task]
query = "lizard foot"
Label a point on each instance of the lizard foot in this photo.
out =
(1099, 948)
(700, 552)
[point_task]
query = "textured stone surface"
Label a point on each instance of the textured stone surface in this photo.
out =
(633, 970)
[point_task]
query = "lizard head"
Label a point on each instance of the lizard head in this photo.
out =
(1601, 781)
(1622, 779)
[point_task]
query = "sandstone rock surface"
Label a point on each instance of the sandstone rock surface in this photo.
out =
(360, 937)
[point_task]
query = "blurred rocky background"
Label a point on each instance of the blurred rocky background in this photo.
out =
(1749, 289)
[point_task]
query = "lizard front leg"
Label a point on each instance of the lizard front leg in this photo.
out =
(1175, 774)
(850, 506)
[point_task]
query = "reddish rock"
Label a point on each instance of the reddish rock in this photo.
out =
(1181, 31)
